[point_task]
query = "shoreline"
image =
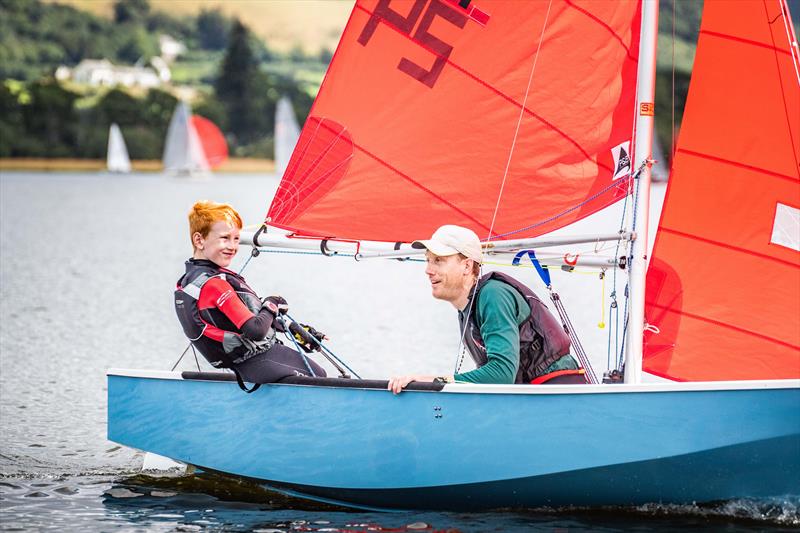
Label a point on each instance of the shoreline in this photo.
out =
(233, 166)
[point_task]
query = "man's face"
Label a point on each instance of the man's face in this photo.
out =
(220, 245)
(447, 275)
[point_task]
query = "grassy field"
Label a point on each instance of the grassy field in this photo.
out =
(283, 24)
(233, 166)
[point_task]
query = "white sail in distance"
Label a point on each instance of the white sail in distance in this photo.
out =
(117, 159)
(287, 132)
(183, 151)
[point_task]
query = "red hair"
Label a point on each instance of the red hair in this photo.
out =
(205, 214)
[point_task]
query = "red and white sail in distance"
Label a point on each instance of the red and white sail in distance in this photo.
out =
(723, 284)
(213, 141)
(431, 108)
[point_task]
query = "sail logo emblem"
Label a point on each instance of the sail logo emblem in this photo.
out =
(455, 14)
(622, 160)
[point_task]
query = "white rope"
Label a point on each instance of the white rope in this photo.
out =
(519, 121)
(652, 328)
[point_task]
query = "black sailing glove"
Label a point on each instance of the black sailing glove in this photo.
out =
(276, 305)
(306, 336)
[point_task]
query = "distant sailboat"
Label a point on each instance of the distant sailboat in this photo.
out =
(286, 134)
(117, 159)
(213, 142)
(183, 150)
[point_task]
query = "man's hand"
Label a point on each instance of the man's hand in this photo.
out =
(398, 383)
(276, 305)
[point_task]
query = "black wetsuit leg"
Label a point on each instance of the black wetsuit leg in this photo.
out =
(275, 364)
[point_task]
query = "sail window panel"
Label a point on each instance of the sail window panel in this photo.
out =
(725, 203)
(786, 227)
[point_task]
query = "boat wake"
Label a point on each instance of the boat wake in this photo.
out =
(780, 512)
(784, 511)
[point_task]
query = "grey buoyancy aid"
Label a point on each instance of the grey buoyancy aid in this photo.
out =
(542, 339)
(209, 330)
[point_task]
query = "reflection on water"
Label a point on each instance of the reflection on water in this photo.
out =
(215, 503)
(88, 267)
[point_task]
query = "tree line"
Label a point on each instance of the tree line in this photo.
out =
(40, 117)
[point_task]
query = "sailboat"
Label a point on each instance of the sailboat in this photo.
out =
(184, 153)
(516, 119)
(215, 147)
(117, 159)
(287, 132)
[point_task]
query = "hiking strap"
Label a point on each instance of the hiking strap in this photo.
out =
(242, 386)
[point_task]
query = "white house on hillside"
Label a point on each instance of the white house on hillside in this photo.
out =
(101, 72)
(170, 47)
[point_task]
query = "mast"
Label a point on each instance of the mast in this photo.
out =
(645, 110)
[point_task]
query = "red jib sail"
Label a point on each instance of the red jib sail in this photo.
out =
(724, 281)
(214, 144)
(441, 111)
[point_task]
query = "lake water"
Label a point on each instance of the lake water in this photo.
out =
(87, 268)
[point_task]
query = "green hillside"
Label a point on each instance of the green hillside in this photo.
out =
(289, 43)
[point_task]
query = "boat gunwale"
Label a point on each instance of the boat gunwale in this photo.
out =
(474, 388)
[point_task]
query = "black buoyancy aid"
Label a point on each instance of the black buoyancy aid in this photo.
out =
(201, 326)
(542, 339)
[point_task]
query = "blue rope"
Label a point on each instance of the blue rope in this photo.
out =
(593, 197)
(297, 347)
(624, 330)
(613, 306)
(245, 264)
(621, 355)
(333, 254)
(293, 252)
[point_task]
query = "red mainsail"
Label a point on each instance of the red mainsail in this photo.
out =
(444, 111)
(724, 281)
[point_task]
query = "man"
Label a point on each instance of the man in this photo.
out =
(507, 330)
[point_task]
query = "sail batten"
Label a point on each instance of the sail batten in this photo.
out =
(739, 164)
(738, 249)
(742, 40)
(728, 326)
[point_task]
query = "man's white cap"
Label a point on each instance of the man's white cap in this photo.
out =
(451, 240)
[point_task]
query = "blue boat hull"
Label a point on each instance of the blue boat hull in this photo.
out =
(473, 447)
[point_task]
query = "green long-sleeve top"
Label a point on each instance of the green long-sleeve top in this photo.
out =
(501, 310)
